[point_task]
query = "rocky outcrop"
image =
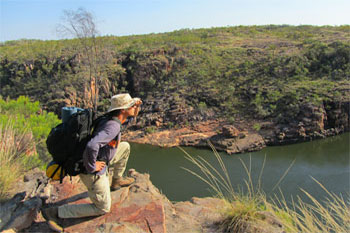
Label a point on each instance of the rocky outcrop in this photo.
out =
(20, 212)
(312, 121)
(181, 92)
(251, 142)
(138, 208)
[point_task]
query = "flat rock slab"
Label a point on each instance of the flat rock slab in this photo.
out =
(138, 208)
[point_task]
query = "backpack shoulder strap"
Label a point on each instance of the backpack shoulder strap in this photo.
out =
(103, 119)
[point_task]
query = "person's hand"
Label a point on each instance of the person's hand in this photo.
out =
(138, 102)
(100, 165)
(137, 108)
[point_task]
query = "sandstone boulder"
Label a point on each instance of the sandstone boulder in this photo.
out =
(230, 131)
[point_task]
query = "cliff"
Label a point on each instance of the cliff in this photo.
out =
(311, 121)
(138, 208)
(241, 87)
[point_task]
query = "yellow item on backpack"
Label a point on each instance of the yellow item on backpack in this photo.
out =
(54, 171)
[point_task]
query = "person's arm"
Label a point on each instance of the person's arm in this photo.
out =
(104, 135)
(133, 118)
(138, 107)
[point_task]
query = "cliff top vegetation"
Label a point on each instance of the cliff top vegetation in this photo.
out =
(259, 71)
(269, 36)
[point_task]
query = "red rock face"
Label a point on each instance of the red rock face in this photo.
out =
(150, 217)
(230, 131)
(224, 137)
(138, 208)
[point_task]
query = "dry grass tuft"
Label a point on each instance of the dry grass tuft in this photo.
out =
(13, 148)
(244, 210)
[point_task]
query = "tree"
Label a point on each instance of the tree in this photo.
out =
(81, 24)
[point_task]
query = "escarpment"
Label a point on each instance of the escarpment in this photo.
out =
(273, 84)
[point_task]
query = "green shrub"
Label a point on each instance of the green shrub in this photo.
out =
(257, 126)
(27, 116)
(170, 124)
(151, 129)
(202, 106)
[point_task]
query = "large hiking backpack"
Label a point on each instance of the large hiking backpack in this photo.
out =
(67, 141)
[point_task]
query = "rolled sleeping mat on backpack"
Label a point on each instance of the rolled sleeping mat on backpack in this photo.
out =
(66, 112)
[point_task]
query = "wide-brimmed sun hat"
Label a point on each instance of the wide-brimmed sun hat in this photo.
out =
(122, 101)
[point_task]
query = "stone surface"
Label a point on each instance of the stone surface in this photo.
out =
(138, 208)
(19, 213)
(311, 122)
(230, 131)
(35, 184)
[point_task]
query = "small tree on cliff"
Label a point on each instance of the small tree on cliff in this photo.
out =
(81, 24)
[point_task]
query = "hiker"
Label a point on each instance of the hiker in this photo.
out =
(102, 151)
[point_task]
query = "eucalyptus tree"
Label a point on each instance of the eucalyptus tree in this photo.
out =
(81, 24)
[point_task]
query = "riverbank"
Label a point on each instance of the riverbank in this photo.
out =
(312, 121)
(257, 85)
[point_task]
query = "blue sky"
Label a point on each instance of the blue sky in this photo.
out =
(37, 19)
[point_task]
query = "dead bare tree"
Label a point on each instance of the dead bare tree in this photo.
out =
(81, 24)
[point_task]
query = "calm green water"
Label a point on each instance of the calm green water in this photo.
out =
(327, 160)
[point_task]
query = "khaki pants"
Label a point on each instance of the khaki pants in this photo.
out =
(98, 188)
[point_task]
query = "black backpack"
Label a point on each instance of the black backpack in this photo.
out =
(67, 141)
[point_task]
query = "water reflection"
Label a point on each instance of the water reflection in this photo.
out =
(326, 160)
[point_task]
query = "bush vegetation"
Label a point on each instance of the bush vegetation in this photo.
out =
(8, 153)
(23, 131)
(15, 149)
(25, 116)
(260, 71)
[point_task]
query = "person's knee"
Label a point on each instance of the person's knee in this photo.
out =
(125, 146)
(104, 209)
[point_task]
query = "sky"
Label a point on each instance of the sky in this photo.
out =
(38, 19)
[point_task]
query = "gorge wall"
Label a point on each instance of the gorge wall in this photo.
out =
(240, 87)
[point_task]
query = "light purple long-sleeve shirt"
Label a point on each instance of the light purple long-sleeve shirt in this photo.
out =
(98, 146)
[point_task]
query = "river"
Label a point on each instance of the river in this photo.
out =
(326, 160)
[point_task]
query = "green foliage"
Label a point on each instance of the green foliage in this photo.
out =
(202, 106)
(170, 125)
(258, 71)
(29, 116)
(257, 126)
(151, 129)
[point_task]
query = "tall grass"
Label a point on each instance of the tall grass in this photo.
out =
(15, 147)
(330, 215)
(244, 211)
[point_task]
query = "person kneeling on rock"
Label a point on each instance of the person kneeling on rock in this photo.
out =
(106, 146)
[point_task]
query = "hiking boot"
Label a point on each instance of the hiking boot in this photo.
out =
(51, 216)
(117, 183)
